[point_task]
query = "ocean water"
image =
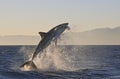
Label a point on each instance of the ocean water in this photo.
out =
(62, 62)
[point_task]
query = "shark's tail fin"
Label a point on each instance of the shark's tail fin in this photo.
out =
(29, 65)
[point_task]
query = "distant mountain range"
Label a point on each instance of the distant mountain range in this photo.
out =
(100, 36)
(19, 40)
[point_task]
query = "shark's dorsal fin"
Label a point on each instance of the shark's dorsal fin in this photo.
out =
(42, 34)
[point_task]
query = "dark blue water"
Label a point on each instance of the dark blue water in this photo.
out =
(66, 62)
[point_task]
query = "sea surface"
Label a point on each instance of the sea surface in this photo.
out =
(62, 62)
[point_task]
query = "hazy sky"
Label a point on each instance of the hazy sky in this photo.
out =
(27, 17)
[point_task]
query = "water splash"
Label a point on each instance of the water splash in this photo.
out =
(54, 58)
(26, 51)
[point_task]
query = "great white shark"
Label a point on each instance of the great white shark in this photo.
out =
(46, 39)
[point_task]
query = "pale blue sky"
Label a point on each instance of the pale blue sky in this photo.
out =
(27, 17)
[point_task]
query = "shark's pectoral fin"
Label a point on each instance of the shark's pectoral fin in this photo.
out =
(56, 41)
(42, 34)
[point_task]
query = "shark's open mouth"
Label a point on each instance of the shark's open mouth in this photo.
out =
(68, 28)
